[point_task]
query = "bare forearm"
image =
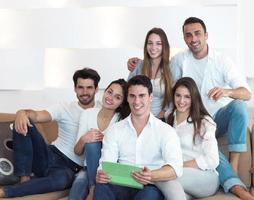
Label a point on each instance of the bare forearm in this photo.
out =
(79, 147)
(35, 116)
(239, 93)
(163, 174)
(190, 163)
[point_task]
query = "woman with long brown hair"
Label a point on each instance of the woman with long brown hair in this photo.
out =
(93, 122)
(196, 130)
(156, 66)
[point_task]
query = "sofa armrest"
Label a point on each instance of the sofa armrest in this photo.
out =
(7, 117)
(48, 130)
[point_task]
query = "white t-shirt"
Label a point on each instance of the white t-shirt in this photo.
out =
(67, 116)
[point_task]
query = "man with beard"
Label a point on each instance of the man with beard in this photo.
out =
(54, 166)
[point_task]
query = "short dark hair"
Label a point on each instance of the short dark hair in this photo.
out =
(87, 73)
(141, 80)
(193, 20)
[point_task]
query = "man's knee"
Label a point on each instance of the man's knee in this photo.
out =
(239, 109)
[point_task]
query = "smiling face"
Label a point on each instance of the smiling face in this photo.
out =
(139, 100)
(182, 99)
(85, 91)
(154, 46)
(195, 38)
(113, 97)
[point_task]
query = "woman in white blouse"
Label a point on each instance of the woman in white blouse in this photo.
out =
(196, 130)
(93, 122)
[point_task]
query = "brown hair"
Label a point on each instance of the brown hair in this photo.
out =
(197, 109)
(166, 76)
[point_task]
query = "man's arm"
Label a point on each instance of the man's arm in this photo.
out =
(131, 64)
(238, 93)
(191, 164)
(166, 172)
(23, 116)
(147, 176)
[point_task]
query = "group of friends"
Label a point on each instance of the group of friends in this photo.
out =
(166, 119)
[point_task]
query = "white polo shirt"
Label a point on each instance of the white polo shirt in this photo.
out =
(156, 146)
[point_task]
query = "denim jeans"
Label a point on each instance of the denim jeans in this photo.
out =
(85, 179)
(113, 192)
(92, 155)
(227, 176)
(79, 188)
(52, 170)
(232, 120)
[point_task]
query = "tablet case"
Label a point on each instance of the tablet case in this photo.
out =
(121, 174)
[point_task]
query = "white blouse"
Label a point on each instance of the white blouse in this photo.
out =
(204, 149)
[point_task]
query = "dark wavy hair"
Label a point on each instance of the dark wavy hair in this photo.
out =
(123, 109)
(197, 109)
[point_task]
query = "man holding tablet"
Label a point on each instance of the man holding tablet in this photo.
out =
(141, 140)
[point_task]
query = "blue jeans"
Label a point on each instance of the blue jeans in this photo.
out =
(113, 192)
(85, 179)
(92, 155)
(227, 176)
(232, 120)
(52, 170)
(79, 188)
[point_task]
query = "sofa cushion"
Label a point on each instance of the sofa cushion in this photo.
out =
(220, 195)
(6, 155)
(48, 131)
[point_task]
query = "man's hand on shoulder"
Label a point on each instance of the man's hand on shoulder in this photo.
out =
(132, 62)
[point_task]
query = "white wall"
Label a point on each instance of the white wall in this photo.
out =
(246, 36)
(43, 43)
